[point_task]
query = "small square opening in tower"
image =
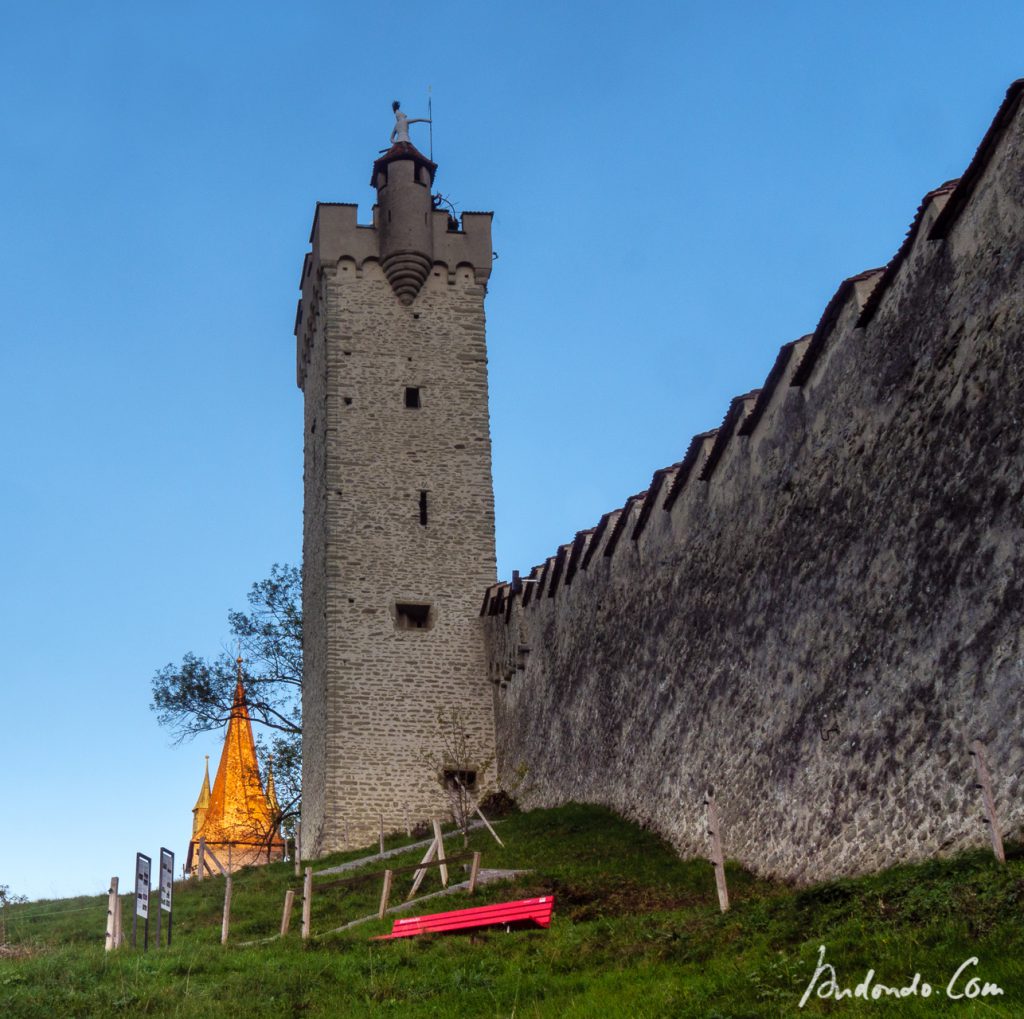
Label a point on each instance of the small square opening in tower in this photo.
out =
(412, 397)
(456, 777)
(413, 616)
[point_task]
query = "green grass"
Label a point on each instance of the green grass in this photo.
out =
(637, 933)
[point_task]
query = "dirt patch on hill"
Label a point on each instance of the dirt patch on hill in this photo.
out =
(581, 901)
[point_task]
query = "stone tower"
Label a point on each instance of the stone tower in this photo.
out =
(398, 539)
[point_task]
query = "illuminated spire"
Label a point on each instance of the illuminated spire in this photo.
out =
(275, 810)
(203, 803)
(239, 811)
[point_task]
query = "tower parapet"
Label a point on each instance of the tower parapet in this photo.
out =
(407, 237)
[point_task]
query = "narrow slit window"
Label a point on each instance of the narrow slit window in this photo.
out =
(412, 397)
(423, 507)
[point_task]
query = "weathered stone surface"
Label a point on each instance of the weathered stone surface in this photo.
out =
(820, 628)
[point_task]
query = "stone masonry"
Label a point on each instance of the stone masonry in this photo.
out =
(819, 607)
(398, 544)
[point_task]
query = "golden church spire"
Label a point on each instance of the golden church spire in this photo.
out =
(275, 810)
(238, 822)
(202, 803)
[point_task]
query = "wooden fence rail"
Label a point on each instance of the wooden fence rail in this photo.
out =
(373, 875)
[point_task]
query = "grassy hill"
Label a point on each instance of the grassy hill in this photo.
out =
(637, 933)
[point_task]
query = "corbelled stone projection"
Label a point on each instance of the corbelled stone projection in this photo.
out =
(398, 544)
(819, 607)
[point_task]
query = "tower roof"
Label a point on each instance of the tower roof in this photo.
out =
(402, 150)
(204, 793)
(202, 803)
(238, 808)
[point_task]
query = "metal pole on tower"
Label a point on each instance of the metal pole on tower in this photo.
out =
(430, 117)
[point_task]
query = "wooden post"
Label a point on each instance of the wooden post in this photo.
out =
(307, 902)
(381, 834)
(118, 932)
(231, 868)
(480, 814)
(421, 873)
(717, 858)
(226, 921)
(298, 848)
(110, 944)
(438, 838)
(286, 916)
(211, 855)
(985, 785)
(474, 873)
(202, 858)
(385, 893)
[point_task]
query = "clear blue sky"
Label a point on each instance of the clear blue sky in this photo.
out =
(678, 189)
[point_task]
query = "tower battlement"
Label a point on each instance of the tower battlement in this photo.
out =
(337, 236)
(817, 609)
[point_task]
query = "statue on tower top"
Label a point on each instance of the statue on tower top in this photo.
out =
(400, 132)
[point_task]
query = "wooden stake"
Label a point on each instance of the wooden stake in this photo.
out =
(208, 852)
(118, 932)
(307, 902)
(717, 858)
(286, 916)
(474, 872)
(985, 785)
(439, 839)
(298, 848)
(226, 921)
(421, 873)
(480, 813)
(385, 893)
(110, 944)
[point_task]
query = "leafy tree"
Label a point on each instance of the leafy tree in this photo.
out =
(196, 696)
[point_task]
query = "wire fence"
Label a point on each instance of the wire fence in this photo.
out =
(18, 924)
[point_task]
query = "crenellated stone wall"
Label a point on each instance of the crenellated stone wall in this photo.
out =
(820, 605)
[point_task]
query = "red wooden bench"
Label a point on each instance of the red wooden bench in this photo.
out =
(524, 913)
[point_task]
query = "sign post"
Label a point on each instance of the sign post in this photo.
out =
(166, 892)
(142, 868)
